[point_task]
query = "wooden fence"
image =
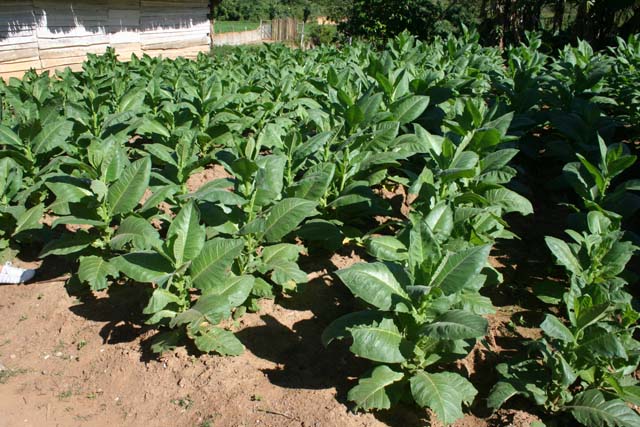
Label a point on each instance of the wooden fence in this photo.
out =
(284, 29)
(275, 30)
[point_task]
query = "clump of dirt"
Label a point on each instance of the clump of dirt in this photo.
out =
(210, 173)
(513, 418)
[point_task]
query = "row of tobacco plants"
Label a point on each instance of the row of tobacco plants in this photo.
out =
(96, 167)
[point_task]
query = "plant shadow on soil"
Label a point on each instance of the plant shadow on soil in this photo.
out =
(122, 312)
(303, 362)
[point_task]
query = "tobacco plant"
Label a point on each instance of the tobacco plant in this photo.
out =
(424, 312)
(584, 365)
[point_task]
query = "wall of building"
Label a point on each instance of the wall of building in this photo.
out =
(50, 34)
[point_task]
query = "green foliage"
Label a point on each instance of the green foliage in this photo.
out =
(426, 19)
(322, 34)
(238, 10)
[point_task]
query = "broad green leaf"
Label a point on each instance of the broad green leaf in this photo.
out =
(143, 267)
(593, 170)
(220, 341)
(150, 126)
(592, 410)
(338, 329)
(51, 136)
(214, 262)
(160, 299)
(30, 220)
(443, 392)
(354, 116)
(567, 373)
(497, 159)
(165, 341)
(423, 246)
(386, 248)
(409, 109)
(281, 252)
(509, 200)
(553, 327)
(323, 233)
(312, 146)
(598, 340)
(456, 325)
(9, 137)
(68, 189)
(371, 393)
(549, 292)
(162, 152)
(598, 223)
(160, 195)
(212, 192)
(500, 393)
(231, 292)
(440, 220)
(285, 216)
(379, 341)
(269, 179)
(631, 394)
(374, 283)
(132, 100)
(587, 313)
(186, 236)
(287, 274)
(69, 243)
(432, 142)
(136, 231)
(125, 194)
(563, 254)
(476, 303)
(466, 160)
(94, 271)
(315, 182)
(244, 168)
(457, 269)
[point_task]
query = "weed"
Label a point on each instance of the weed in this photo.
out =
(65, 395)
(8, 373)
(185, 403)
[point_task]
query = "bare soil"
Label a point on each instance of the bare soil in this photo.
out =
(75, 360)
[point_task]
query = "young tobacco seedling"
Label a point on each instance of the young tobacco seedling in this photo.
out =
(470, 176)
(425, 312)
(103, 206)
(251, 209)
(185, 262)
(593, 182)
(584, 367)
(15, 218)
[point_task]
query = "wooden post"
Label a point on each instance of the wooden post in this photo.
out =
(212, 20)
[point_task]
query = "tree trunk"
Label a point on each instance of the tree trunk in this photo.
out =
(632, 26)
(558, 16)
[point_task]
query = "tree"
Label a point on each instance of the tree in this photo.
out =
(380, 19)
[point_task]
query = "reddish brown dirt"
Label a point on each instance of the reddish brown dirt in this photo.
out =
(70, 362)
(211, 173)
(78, 361)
